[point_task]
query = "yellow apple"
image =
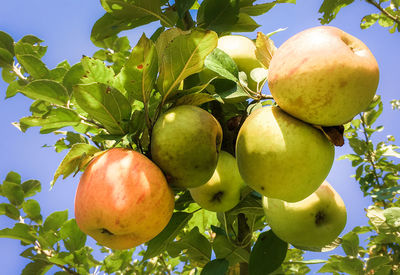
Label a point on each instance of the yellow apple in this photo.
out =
(242, 50)
(185, 144)
(282, 157)
(323, 76)
(313, 222)
(123, 199)
(222, 192)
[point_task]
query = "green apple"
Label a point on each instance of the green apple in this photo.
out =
(282, 157)
(222, 192)
(185, 144)
(242, 50)
(323, 76)
(313, 222)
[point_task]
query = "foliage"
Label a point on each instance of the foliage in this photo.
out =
(113, 99)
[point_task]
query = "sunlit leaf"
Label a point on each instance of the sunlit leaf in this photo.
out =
(47, 90)
(55, 220)
(74, 239)
(20, 231)
(33, 66)
(330, 9)
(265, 49)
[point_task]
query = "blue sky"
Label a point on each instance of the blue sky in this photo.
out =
(65, 27)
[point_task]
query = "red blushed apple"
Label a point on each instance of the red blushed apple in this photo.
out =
(323, 76)
(123, 199)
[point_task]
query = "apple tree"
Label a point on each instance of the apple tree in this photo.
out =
(115, 98)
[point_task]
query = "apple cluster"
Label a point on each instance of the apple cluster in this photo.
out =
(321, 76)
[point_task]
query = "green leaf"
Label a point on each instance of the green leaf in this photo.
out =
(392, 216)
(13, 192)
(33, 66)
(55, 220)
(265, 49)
(217, 266)
(32, 210)
(14, 88)
(369, 20)
(47, 90)
(224, 249)
(137, 9)
(159, 243)
(37, 268)
(7, 42)
(74, 239)
(20, 231)
(140, 71)
(350, 244)
(31, 187)
(96, 71)
(218, 15)
(13, 177)
(73, 76)
(6, 58)
(375, 262)
(203, 219)
(106, 105)
(196, 246)
(359, 146)
(256, 10)
(109, 25)
(58, 74)
(352, 266)
(10, 211)
(55, 119)
(250, 205)
(30, 44)
(194, 99)
(267, 254)
(72, 161)
(244, 24)
(220, 62)
(330, 9)
(183, 57)
(182, 6)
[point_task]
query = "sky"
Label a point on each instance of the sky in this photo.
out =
(65, 27)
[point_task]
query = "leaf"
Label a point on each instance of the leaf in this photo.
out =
(55, 119)
(196, 246)
(32, 210)
(55, 220)
(194, 99)
(218, 15)
(182, 6)
(109, 25)
(267, 254)
(47, 90)
(256, 10)
(214, 267)
(74, 239)
(9, 210)
(31, 187)
(6, 58)
(140, 71)
(159, 243)
(13, 192)
(352, 266)
(220, 62)
(330, 9)
(137, 9)
(265, 49)
(184, 56)
(7, 42)
(165, 39)
(350, 244)
(369, 20)
(73, 76)
(392, 216)
(259, 74)
(96, 71)
(37, 268)
(105, 104)
(33, 66)
(20, 231)
(358, 146)
(250, 205)
(79, 153)
(375, 262)
(244, 24)
(224, 249)
(13, 177)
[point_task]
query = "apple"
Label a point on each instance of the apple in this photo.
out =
(242, 50)
(323, 76)
(314, 222)
(282, 157)
(123, 199)
(222, 192)
(185, 144)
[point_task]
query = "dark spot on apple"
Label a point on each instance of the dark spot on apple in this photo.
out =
(117, 221)
(342, 83)
(319, 218)
(105, 231)
(262, 188)
(217, 197)
(140, 66)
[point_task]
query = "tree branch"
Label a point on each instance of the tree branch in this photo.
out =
(385, 12)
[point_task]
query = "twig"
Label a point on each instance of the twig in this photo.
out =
(385, 12)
